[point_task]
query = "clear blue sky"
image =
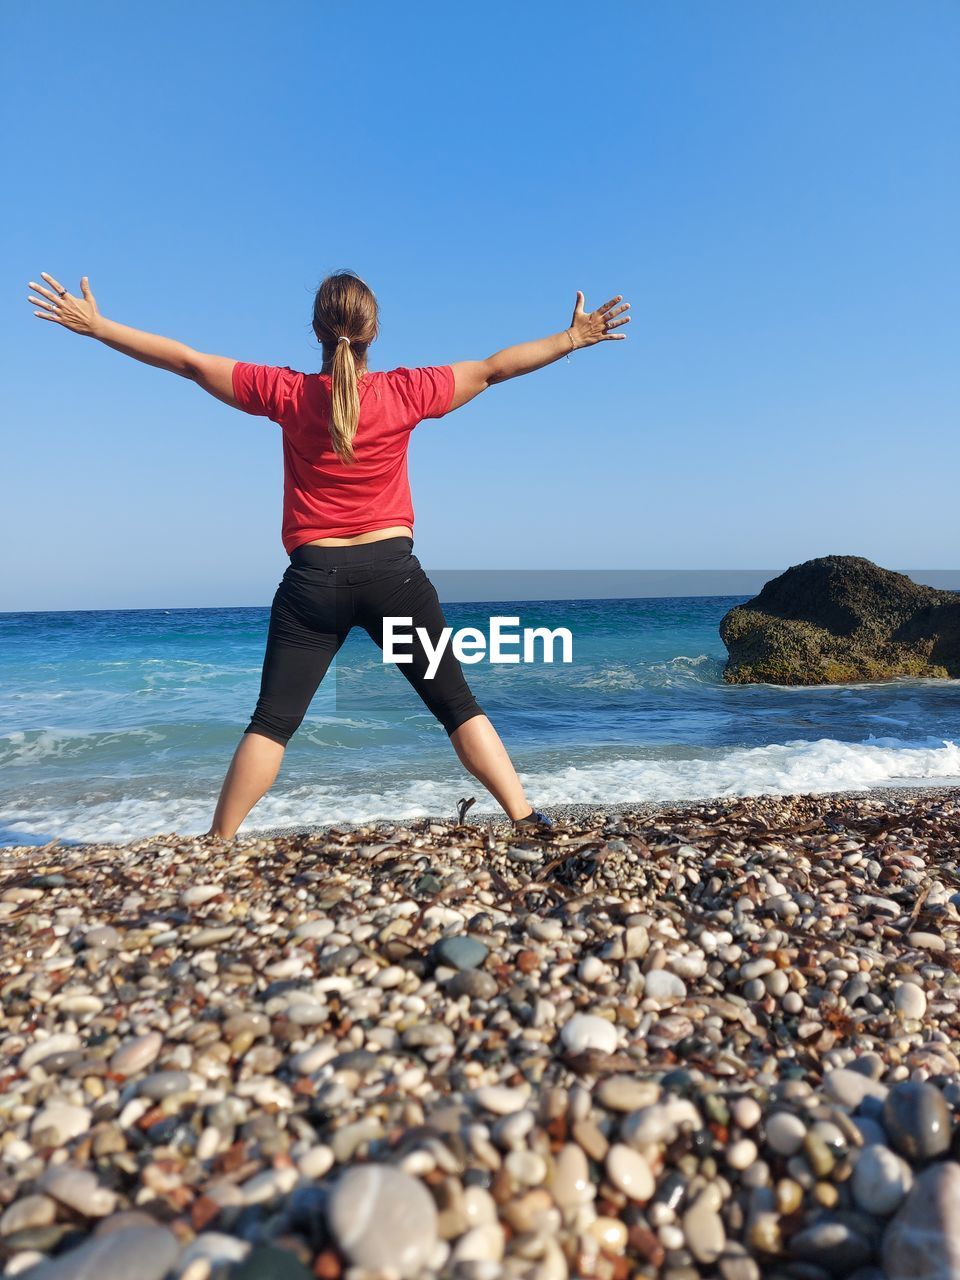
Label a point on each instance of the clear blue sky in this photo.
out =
(775, 188)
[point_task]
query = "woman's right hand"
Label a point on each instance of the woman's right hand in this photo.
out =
(590, 327)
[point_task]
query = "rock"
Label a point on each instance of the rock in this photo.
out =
(881, 1180)
(660, 1122)
(162, 1083)
(383, 1219)
(315, 929)
(210, 937)
(570, 1184)
(136, 1054)
(473, 983)
(703, 1228)
(917, 1119)
(785, 1133)
(64, 1119)
(214, 1246)
(460, 952)
(591, 969)
(636, 942)
(479, 1244)
(199, 893)
(627, 1093)
(102, 935)
(79, 1189)
(832, 1244)
(849, 1087)
(27, 1212)
(630, 1173)
(63, 1042)
(145, 1252)
(316, 1162)
(909, 1000)
(268, 1263)
(746, 1112)
(500, 1099)
(923, 1241)
(926, 941)
(662, 985)
(587, 1031)
(838, 619)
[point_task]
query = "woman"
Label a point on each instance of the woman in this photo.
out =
(347, 516)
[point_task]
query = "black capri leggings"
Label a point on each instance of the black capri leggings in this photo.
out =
(325, 592)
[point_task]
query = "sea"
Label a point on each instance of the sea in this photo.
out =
(117, 725)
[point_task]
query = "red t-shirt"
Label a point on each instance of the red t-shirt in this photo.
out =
(324, 497)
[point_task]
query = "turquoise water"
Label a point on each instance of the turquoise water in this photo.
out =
(119, 724)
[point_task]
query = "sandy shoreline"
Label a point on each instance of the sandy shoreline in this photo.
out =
(665, 1043)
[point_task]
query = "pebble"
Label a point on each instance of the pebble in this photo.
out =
(136, 1054)
(881, 1180)
(630, 1173)
(501, 1100)
(103, 935)
(316, 1162)
(832, 1244)
(79, 1189)
(747, 1113)
(197, 894)
(926, 941)
(922, 1241)
(46, 1047)
(660, 1122)
(742, 1154)
(63, 1120)
(214, 1247)
(849, 1088)
(461, 952)
(474, 983)
(703, 1228)
(917, 1120)
(315, 930)
(661, 985)
(146, 1253)
(382, 1218)
(26, 1213)
(586, 1031)
(626, 1093)
(265, 1262)
(479, 1244)
(785, 1133)
(163, 1083)
(910, 1000)
(550, 1109)
(571, 1185)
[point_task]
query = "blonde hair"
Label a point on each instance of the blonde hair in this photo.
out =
(344, 306)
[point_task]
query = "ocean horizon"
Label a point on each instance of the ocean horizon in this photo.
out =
(119, 724)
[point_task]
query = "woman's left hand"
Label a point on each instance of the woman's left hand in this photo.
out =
(77, 314)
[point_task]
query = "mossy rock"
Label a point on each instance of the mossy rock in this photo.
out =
(842, 620)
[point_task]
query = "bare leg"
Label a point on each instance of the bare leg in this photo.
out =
(255, 765)
(480, 750)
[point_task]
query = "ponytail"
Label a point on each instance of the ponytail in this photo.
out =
(345, 402)
(345, 321)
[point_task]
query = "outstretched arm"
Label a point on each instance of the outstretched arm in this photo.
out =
(585, 330)
(81, 315)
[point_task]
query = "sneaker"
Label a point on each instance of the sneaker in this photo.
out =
(535, 821)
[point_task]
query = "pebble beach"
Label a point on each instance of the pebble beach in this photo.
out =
(720, 1039)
